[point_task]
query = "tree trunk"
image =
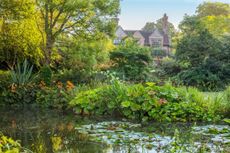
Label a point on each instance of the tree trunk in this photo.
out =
(49, 47)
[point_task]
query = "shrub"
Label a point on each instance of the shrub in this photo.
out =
(19, 95)
(131, 66)
(22, 74)
(169, 67)
(144, 102)
(21, 89)
(8, 145)
(4, 80)
(46, 74)
(56, 96)
(132, 62)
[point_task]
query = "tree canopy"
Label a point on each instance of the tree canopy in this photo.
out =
(213, 9)
(203, 47)
(150, 26)
(19, 36)
(52, 19)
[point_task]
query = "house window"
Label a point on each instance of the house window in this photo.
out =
(156, 42)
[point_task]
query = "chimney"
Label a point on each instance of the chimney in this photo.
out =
(165, 23)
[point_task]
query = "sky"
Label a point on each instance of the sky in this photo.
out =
(135, 13)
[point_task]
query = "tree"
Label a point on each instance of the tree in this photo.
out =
(213, 9)
(19, 36)
(77, 18)
(86, 55)
(215, 16)
(171, 28)
(149, 27)
(131, 61)
(195, 49)
(207, 60)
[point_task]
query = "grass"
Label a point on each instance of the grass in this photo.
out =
(218, 101)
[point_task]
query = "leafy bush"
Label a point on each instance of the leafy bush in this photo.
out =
(75, 76)
(168, 67)
(207, 58)
(19, 95)
(82, 57)
(20, 89)
(4, 80)
(144, 102)
(8, 145)
(201, 78)
(56, 96)
(132, 62)
(158, 53)
(46, 74)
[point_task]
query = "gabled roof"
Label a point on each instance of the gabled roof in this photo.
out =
(130, 32)
(157, 32)
(146, 35)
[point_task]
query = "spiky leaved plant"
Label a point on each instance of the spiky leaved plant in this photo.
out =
(22, 73)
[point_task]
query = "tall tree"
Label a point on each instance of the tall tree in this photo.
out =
(196, 48)
(77, 18)
(213, 9)
(171, 28)
(19, 36)
(149, 27)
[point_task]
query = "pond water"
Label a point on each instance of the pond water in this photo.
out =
(49, 131)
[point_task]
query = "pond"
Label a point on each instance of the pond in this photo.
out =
(51, 131)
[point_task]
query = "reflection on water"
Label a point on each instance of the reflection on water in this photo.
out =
(47, 131)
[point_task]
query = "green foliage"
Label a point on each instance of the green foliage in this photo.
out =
(131, 62)
(171, 27)
(86, 55)
(158, 53)
(19, 36)
(209, 16)
(151, 26)
(34, 29)
(46, 74)
(19, 95)
(213, 9)
(72, 75)
(76, 19)
(204, 47)
(22, 74)
(8, 145)
(4, 79)
(204, 56)
(56, 96)
(197, 48)
(143, 102)
(227, 121)
(169, 67)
